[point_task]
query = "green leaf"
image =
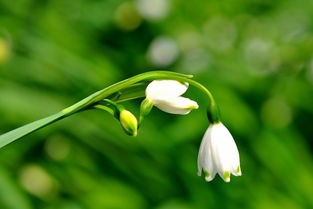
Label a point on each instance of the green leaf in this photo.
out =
(29, 128)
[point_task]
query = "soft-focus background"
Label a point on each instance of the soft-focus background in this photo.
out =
(255, 56)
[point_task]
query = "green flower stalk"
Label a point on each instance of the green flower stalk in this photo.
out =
(127, 120)
(163, 90)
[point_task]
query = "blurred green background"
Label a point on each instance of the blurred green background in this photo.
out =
(255, 56)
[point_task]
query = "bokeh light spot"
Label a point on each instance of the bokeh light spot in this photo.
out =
(4, 51)
(37, 181)
(57, 148)
(220, 34)
(276, 113)
(153, 9)
(163, 51)
(127, 17)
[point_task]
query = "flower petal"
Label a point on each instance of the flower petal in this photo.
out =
(176, 105)
(224, 151)
(205, 160)
(161, 89)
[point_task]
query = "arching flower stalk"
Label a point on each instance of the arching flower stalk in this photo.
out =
(218, 152)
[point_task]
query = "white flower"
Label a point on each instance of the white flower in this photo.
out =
(218, 154)
(166, 95)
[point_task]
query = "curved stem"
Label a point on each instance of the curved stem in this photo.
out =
(105, 108)
(135, 91)
(99, 95)
(213, 111)
(85, 104)
(104, 93)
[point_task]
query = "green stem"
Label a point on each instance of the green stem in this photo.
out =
(93, 99)
(133, 92)
(87, 102)
(212, 111)
(99, 95)
(105, 108)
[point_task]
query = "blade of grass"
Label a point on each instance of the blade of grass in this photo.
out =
(29, 128)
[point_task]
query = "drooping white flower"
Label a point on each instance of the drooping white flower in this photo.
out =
(218, 154)
(166, 95)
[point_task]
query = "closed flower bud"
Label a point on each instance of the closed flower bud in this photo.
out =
(145, 108)
(129, 122)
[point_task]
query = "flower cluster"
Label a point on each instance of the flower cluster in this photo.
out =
(218, 151)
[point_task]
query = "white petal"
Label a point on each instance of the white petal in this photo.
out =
(176, 105)
(161, 89)
(225, 152)
(205, 160)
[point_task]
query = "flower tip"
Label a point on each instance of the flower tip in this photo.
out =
(189, 76)
(134, 133)
(207, 176)
(192, 106)
(238, 171)
(208, 179)
(226, 176)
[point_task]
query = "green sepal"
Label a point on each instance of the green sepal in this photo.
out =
(213, 113)
(145, 108)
